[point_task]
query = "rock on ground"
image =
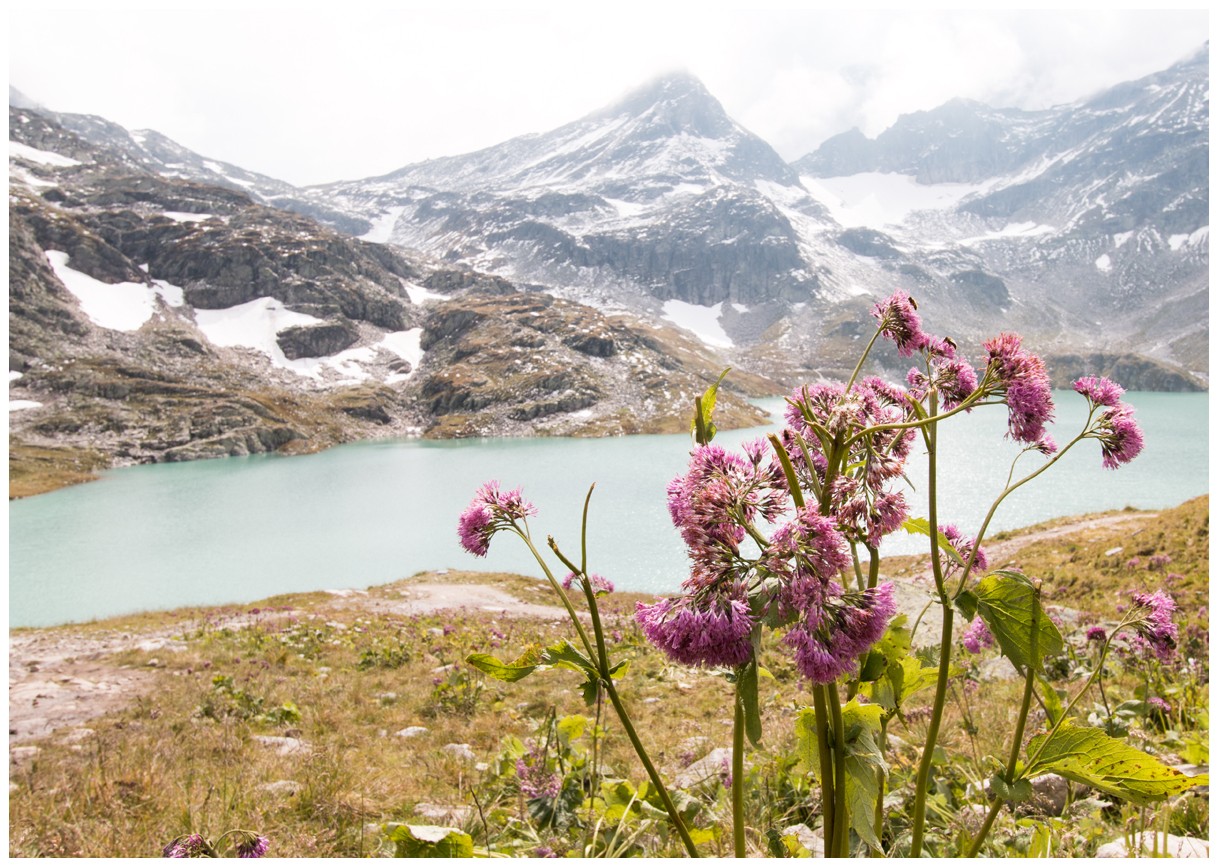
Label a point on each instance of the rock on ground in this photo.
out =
(1169, 844)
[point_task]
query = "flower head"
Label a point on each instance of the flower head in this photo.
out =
(832, 636)
(252, 846)
(899, 322)
(713, 632)
(1119, 435)
(1022, 379)
(600, 585)
(1097, 634)
(489, 512)
(1100, 391)
(534, 778)
(1159, 704)
(1151, 616)
(191, 846)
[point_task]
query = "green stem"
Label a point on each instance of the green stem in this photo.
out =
(1017, 740)
(862, 358)
(652, 774)
(881, 780)
(821, 706)
(738, 777)
(841, 823)
(579, 627)
(985, 829)
(932, 734)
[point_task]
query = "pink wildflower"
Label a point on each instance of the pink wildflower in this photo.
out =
(900, 323)
(977, 636)
(600, 585)
(534, 778)
(252, 846)
(489, 512)
(1021, 378)
(1097, 634)
(1119, 435)
(1100, 391)
(1155, 623)
(712, 634)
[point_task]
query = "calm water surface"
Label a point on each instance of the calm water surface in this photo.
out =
(242, 529)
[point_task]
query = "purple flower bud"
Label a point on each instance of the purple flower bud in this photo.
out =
(1154, 622)
(1022, 378)
(252, 846)
(713, 632)
(489, 512)
(1100, 391)
(1097, 633)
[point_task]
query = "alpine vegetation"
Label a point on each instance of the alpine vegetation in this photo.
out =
(783, 544)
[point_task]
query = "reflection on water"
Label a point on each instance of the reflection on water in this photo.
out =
(241, 529)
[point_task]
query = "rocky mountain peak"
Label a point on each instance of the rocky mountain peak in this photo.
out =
(675, 104)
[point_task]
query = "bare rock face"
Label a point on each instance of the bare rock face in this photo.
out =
(314, 341)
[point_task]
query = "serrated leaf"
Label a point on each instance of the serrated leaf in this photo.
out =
(805, 740)
(921, 526)
(429, 841)
(1090, 757)
(1004, 601)
(509, 672)
(1019, 791)
(863, 760)
(564, 655)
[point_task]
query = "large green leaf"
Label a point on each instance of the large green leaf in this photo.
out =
(901, 680)
(860, 723)
(1004, 601)
(429, 841)
(1090, 757)
(510, 672)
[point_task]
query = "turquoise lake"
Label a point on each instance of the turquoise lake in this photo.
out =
(242, 529)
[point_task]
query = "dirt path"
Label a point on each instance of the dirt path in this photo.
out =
(60, 680)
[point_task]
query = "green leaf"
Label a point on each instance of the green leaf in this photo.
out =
(1004, 601)
(747, 689)
(698, 836)
(508, 672)
(619, 671)
(863, 760)
(921, 526)
(1052, 700)
(571, 728)
(429, 841)
(805, 740)
(966, 604)
(708, 407)
(1090, 757)
(564, 655)
(1019, 791)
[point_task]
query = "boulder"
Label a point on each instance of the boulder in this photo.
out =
(1167, 845)
(460, 752)
(315, 341)
(716, 762)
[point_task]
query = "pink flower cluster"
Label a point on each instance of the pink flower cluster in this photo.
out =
(977, 636)
(1119, 435)
(600, 585)
(1153, 612)
(1020, 377)
(534, 778)
(489, 512)
(712, 632)
(830, 638)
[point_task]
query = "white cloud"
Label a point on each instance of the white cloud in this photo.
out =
(371, 89)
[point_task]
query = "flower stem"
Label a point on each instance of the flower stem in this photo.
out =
(1021, 722)
(738, 777)
(841, 824)
(652, 774)
(820, 704)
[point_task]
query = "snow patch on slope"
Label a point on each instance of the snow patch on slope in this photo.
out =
(25, 152)
(118, 306)
(382, 226)
(880, 199)
(702, 321)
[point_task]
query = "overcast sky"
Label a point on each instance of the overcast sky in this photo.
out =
(350, 91)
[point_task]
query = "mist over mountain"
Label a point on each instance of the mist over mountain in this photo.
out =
(592, 278)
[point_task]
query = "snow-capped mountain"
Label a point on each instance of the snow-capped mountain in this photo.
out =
(656, 195)
(1084, 226)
